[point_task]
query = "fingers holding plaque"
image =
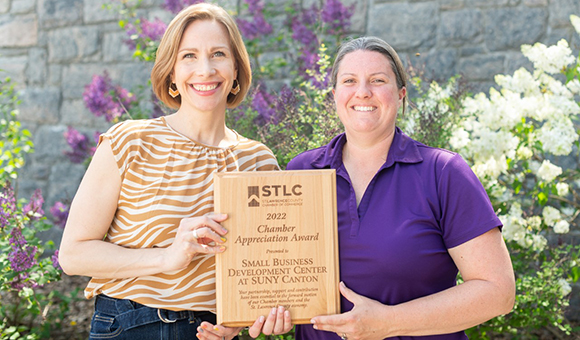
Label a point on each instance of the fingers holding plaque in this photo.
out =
(282, 245)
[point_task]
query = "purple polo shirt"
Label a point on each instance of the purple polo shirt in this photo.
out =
(393, 247)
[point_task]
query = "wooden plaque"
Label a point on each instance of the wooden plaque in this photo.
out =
(282, 247)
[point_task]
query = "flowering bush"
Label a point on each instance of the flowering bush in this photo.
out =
(25, 312)
(515, 138)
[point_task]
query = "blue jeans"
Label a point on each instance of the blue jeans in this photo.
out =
(125, 319)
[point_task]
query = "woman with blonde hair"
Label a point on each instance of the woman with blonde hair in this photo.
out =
(142, 223)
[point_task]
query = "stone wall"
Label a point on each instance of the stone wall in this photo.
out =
(52, 48)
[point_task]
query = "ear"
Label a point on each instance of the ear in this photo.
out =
(402, 93)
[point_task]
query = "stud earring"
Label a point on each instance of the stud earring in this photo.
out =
(173, 93)
(236, 88)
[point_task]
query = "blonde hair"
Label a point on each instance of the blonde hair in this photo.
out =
(376, 45)
(169, 45)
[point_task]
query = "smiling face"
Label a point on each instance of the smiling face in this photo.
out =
(366, 94)
(205, 69)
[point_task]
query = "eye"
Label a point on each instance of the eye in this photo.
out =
(348, 81)
(219, 54)
(188, 55)
(378, 80)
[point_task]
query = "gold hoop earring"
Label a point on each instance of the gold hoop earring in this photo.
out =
(236, 88)
(173, 93)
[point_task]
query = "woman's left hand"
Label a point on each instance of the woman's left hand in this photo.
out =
(207, 331)
(363, 322)
(278, 321)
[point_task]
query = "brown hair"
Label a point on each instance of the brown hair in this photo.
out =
(376, 45)
(167, 52)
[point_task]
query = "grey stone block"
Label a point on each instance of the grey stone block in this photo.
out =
(36, 71)
(359, 16)
(508, 28)
(560, 12)
(135, 74)
(557, 34)
(14, 67)
(4, 6)
(76, 76)
(49, 144)
(93, 11)
(536, 3)
(440, 65)
(60, 13)
(461, 27)
(40, 105)
(115, 48)
(72, 43)
(486, 3)
(32, 171)
(481, 67)
(18, 30)
(64, 181)
(515, 61)
(451, 4)
(472, 50)
(54, 74)
(404, 25)
(25, 187)
(73, 112)
(23, 6)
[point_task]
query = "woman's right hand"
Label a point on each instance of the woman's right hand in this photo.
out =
(196, 235)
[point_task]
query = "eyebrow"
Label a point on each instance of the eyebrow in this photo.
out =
(218, 47)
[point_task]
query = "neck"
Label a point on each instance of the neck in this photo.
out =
(362, 149)
(209, 129)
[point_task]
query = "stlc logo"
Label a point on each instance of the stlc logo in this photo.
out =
(271, 190)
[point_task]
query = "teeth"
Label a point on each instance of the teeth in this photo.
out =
(205, 87)
(364, 108)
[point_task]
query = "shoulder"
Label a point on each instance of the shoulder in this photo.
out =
(135, 127)
(305, 159)
(247, 144)
(326, 156)
(441, 159)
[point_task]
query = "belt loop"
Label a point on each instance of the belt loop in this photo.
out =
(162, 318)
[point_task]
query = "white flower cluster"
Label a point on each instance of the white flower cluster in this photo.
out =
(500, 134)
(549, 59)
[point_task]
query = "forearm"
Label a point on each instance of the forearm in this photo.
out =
(449, 311)
(103, 259)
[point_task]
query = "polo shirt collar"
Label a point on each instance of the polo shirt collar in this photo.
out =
(403, 150)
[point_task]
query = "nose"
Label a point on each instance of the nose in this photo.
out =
(363, 90)
(205, 68)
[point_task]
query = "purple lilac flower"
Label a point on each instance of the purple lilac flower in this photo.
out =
(175, 6)
(286, 99)
(258, 26)
(21, 258)
(34, 207)
(130, 30)
(337, 16)
(263, 102)
(55, 262)
(79, 143)
(148, 30)
(60, 213)
(153, 30)
(302, 34)
(7, 205)
(103, 98)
